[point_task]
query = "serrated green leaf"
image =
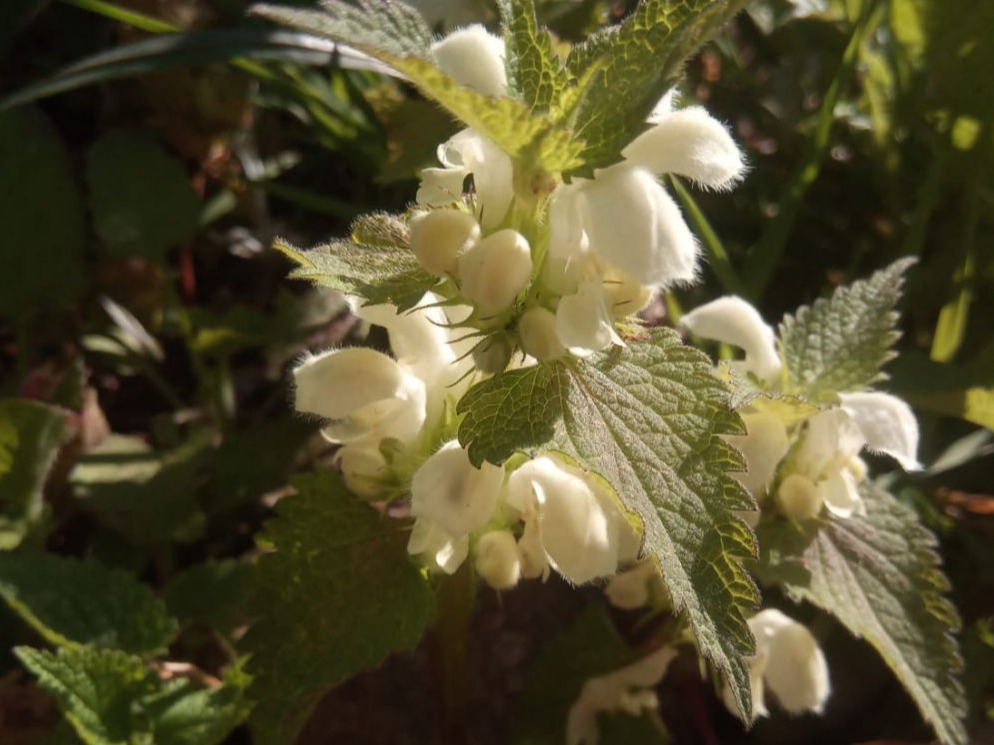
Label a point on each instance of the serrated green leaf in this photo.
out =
(649, 420)
(31, 434)
(71, 603)
(634, 64)
(519, 132)
(842, 342)
(111, 698)
(42, 216)
(140, 196)
(534, 72)
(879, 575)
(214, 592)
(588, 648)
(95, 689)
(339, 594)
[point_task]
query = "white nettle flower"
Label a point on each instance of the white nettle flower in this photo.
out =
(826, 469)
(763, 446)
(475, 59)
(627, 690)
(732, 320)
(572, 522)
(493, 271)
(629, 589)
(440, 237)
(451, 498)
(626, 216)
(789, 662)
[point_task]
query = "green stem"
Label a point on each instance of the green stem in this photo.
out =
(770, 248)
(950, 330)
(454, 600)
(719, 261)
(117, 13)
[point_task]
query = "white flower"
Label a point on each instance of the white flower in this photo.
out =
(789, 662)
(626, 690)
(584, 322)
(537, 332)
(498, 560)
(572, 522)
(827, 456)
(366, 395)
(629, 590)
(734, 321)
(764, 445)
(624, 214)
(450, 499)
(473, 58)
(493, 271)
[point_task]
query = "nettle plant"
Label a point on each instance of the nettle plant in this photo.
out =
(527, 423)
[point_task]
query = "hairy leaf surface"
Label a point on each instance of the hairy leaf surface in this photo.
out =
(339, 594)
(879, 576)
(634, 64)
(71, 603)
(649, 420)
(841, 343)
(111, 698)
(535, 73)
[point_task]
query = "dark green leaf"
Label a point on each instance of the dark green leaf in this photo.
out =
(31, 434)
(214, 593)
(338, 594)
(140, 196)
(649, 420)
(44, 228)
(535, 73)
(842, 342)
(71, 602)
(879, 575)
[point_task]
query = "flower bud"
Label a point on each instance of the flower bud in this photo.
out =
(799, 497)
(474, 58)
(537, 331)
(495, 270)
(630, 589)
(497, 559)
(439, 236)
(492, 354)
(361, 467)
(796, 670)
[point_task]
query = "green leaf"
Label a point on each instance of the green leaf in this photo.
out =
(111, 698)
(31, 434)
(974, 404)
(842, 342)
(879, 575)
(535, 74)
(377, 264)
(588, 648)
(44, 227)
(339, 594)
(214, 593)
(633, 65)
(71, 602)
(519, 132)
(649, 420)
(148, 496)
(140, 196)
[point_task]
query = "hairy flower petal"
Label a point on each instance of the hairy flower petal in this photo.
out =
(474, 58)
(733, 321)
(887, 423)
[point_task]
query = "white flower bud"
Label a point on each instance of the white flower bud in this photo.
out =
(450, 492)
(361, 466)
(439, 236)
(474, 58)
(799, 497)
(497, 559)
(537, 331)
(796, 670)
(630, 589)
(495, 270)
(492, 354)
(763, 446)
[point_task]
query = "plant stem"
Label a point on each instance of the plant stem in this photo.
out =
(454, 600)
(719, 262)
(768, 251)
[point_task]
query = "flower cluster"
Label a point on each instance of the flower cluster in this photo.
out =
(812, 463)
(555, 267)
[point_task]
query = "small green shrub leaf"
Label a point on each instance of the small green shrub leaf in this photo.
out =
(340, 594)
(879, 575)
(535, 73)
(841, 343)
(71, 603)
(111, 698)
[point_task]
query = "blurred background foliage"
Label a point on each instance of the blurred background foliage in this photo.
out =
(150, 150)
